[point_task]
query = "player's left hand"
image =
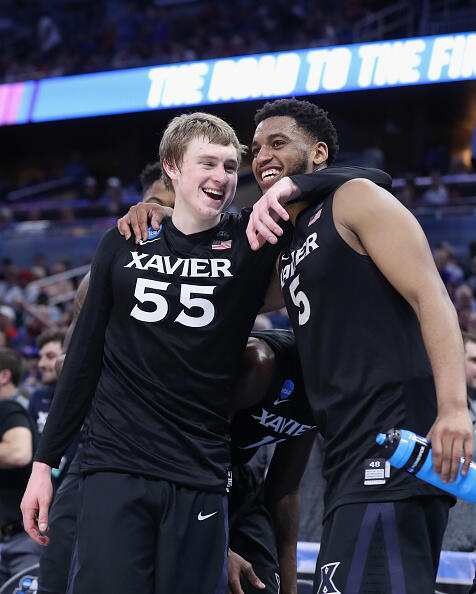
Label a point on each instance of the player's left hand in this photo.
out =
(262, 225)
(451, 437)
(237, 568)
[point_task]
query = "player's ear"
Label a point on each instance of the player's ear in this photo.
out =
(320, 152)
(170, 169)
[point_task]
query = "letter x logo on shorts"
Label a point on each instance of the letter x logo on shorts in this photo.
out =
(327, 586)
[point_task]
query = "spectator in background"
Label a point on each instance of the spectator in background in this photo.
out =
(49, 36)
(90, 190)
(76, 169)
(10, 375)
(28, 332)
(7, 322)
(113, 196)
(4, 339)
(50, 345)
(40, 267)
(17, 443)
(464, 298)
(437, 194)
(408, 194)
(460, 533)
(61, 286)
(31, 375)
(473, 149)
(471, 280)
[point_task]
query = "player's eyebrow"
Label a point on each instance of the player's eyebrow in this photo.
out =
(271, 137)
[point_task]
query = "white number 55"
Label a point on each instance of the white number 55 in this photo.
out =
(162, 307)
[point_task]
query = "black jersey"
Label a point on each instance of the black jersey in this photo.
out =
(155, 352)
(364, 363)
(284, 412)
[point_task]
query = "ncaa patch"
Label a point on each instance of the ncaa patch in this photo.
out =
(152, 236)
(286, 391)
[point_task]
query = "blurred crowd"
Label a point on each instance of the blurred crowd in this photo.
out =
(85, 36)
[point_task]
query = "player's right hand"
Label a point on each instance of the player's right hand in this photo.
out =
(237, 568)
(36, 503)
(138, 216)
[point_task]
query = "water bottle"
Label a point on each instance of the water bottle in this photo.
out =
(405, 449)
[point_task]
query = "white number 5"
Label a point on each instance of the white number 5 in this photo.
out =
(299, 298)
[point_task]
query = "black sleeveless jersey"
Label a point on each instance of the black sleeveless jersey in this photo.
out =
(364, 362)
(155, 353)
(284, 412)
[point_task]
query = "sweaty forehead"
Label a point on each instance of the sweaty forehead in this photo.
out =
(275, 126)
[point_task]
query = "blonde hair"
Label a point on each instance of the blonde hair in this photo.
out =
(186, 127)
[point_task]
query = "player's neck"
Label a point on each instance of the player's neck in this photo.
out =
(187, 223)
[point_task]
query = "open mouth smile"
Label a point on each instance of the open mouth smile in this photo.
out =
(213, 193)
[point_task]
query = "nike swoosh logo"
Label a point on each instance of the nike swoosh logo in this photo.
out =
(200, 517)
(279, 401)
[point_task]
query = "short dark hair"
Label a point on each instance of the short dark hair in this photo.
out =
(10, 360)
(151, 173)
(50, 335)
(309, 117)
(467, 337)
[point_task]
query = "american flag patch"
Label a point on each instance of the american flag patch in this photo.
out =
(314, 217)
(221, 245)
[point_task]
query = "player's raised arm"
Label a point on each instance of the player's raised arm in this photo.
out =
(392, 237)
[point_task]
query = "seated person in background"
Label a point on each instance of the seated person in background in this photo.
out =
(17, 442)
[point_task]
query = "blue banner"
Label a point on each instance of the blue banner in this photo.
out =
(414, 61)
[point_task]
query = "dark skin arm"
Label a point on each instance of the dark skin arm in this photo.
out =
(283, 501)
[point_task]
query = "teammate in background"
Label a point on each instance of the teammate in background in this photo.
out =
(271, 407)
(155, 458)
(358, 281)
(376, 332)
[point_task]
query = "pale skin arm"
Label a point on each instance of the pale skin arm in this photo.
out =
(36, 503)
(16, 449)
(373, 222)
(262, 225)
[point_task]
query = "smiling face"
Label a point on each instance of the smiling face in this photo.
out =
(281, 148)
(49, 352)
(204, 184)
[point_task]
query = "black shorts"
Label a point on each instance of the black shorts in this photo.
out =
(251, 528)
(382, 548)
(144, 536)
(252, 537)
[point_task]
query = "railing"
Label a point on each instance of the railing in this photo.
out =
(46, 281)
(393, 21)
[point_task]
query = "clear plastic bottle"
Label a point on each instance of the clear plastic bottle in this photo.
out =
(405, 449)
